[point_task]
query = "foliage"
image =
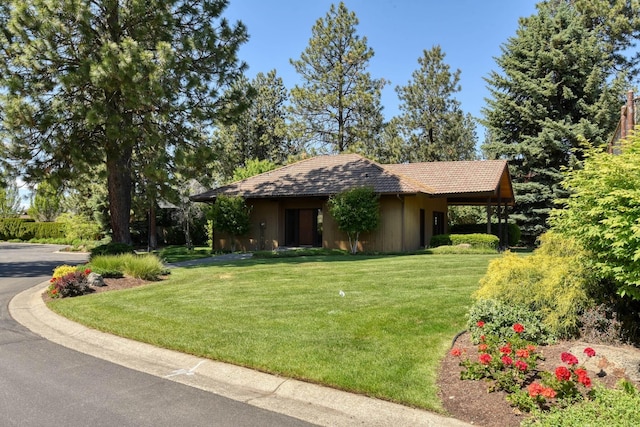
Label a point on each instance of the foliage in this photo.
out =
(147, 266)
(477, 240)
(460, 250)
(337, 107)
(513, 230)
(252, 168)
(47, 203)
(496, 318)
(260, 136)
(63, 270)
(553, 281)
(608, 407)
(71, 284)
(299, 252)
(555, 86)
(111, 248)
(230, 214)
(130, 86)
(355, 211)
(80, 227)
(603, 213)
(508, 363)
(9, 201)
(18, 229)
(431, 120)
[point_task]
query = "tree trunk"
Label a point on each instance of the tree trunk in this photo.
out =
(153, 233)
(119, 185)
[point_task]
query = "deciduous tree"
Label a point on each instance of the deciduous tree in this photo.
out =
(355, 211)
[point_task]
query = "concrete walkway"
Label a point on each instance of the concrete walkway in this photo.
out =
(309, 402)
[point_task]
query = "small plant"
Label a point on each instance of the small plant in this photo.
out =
(71, 284)
(63, 270)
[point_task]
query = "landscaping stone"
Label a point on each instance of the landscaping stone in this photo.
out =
(95, 280)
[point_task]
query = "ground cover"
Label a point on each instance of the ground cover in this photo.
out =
(374, 325)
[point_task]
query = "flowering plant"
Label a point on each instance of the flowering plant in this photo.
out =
(70, 284)
(508, 364)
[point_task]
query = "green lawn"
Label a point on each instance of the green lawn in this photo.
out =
(384, 338)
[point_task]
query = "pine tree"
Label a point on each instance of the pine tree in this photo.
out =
(84, 83)
(431, 121)
(337, 108)
(553, 88)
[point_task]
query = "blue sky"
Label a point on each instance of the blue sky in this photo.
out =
(470, 33)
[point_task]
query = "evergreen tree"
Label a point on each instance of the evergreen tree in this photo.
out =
(337, 108)
(431, 121)
(554, 86)
(10, 205)
(261, 132)
(85, 83)
(47, 202)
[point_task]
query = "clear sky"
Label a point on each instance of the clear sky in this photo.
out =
(470, 32)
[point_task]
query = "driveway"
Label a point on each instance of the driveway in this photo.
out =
(45, 384)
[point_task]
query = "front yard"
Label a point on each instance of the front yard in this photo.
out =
(373, 325)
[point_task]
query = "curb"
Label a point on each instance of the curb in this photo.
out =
(309, 402)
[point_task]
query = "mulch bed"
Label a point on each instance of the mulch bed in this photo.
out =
(470, 401)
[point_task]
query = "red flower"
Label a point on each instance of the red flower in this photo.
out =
(522, 365)
(531, 348)
(87, 271)
(482, 338)
(562, 373)
(456, 352)
(506, 349)
(583, 377)
(518, 328)
(507, 361)
(569, 358)
(522, 353)
(480, 324)
(483, 347)
(548, 392)
(485, 358)
(535, 389)
(589, 352)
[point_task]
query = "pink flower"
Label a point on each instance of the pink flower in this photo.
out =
(562, 373)
(456, 352)
(505, 349)
(518, 328)
(548, 392)
(569, 358)
(483, 347)
(521, 365)
(480, 324)
(589, 352)
(507, 361)
(535, 389)
(522, 353)
(485, 358)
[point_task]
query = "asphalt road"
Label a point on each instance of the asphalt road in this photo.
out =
(44, 384)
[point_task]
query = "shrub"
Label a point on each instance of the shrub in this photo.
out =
(111, 248)
(553, 281)
(440, 240)
(148, 267)
(15, 228)
(512, 229)
(493, 317)
(608, 407)
(71, 284)
(79, 227)
(63, 270)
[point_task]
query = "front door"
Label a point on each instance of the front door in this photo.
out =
(301, 227)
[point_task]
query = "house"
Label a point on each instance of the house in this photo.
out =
(289, 204)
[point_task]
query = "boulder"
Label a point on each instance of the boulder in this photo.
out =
(95, 280)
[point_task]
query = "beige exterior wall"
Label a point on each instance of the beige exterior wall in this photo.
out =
(399, 229)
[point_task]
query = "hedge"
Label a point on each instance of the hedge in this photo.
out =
(475, 240)
(20, 229)
(513, 229)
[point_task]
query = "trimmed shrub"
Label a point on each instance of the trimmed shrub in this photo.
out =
(111, 248)
(15, 228)
(513, 230)
(440, 240)
(498, 318)
(474, 240)
(552, 280)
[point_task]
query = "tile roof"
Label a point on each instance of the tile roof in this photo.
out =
(330, 174)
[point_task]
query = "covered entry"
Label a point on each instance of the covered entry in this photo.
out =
(303, 227)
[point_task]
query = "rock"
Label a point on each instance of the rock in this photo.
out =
(96, 280)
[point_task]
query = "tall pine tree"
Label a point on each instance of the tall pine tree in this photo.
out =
(554, 87)
(432, 121)
(337, 108)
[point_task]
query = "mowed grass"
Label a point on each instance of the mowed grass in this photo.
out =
(384, 338)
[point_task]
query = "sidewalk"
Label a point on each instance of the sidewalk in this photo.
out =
(309, 402)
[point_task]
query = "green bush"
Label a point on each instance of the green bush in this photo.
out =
(474, 240)
(513, 230)
(553, 280)
(15, 228)
(461, 250)
(440, 240)
(148, 267)
(80, 227)
(111, 248)
(499, 317)
(609, 407)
